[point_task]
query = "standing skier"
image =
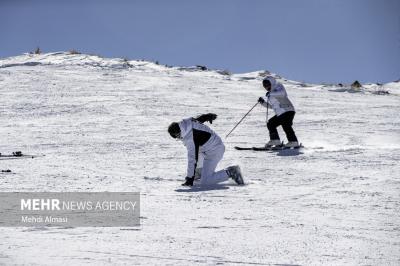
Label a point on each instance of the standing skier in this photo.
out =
(277, 98)
(200, 139)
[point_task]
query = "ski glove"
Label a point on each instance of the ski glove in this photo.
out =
(210, 117)
(261, 100)
(189, 181)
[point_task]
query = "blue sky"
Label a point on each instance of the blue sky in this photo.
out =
(310, 40)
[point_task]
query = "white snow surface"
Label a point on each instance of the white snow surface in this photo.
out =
(102, 125)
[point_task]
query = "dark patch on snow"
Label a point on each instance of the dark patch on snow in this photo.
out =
(21, 64)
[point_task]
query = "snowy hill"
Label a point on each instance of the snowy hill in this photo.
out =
(102, 125)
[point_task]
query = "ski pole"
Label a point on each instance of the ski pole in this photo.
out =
(241, 120)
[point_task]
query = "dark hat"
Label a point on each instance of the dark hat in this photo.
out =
(266, 82)
(174, 130)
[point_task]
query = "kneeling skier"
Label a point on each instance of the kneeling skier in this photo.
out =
(200, 139)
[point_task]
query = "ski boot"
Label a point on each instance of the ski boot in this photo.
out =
(235, 173)
(273, 142)
(188, 181)
(292, 144)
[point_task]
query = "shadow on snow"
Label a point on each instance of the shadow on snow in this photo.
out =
(198, 188)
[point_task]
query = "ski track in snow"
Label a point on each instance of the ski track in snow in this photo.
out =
(102, 125)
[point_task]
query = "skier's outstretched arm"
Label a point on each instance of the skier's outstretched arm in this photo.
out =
(210, 117)
(192, 154)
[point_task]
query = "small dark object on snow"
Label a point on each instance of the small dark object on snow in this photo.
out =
(17, 153)
(356, 85)
(6, 171)
(204, 68)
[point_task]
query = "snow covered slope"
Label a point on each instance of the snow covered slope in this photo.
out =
(102, 125)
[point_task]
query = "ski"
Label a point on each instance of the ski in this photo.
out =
(271, 148)
(17, 155)
(263, 148)
(244, 148)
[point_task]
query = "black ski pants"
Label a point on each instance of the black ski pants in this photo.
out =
(286, 121)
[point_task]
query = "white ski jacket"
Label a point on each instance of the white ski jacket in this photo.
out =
(197, 138)
(277, 98)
